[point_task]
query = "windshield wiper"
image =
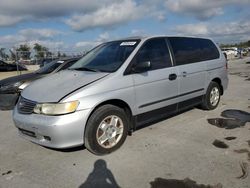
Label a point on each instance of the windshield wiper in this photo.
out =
(85, 69)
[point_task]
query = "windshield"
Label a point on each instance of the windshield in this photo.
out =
(50, 67)
(107, 57)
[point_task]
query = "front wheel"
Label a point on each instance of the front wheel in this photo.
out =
(106, 130)
(212, 97)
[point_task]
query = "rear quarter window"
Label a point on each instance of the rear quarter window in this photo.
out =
(192, 50)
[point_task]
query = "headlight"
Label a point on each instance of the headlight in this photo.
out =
(56, 108)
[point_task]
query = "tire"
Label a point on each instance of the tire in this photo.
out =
(212, 97)
(103, 137)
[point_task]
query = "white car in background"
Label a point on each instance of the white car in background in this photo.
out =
(230, 51)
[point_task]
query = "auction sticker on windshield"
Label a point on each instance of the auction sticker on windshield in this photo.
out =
(129, 43)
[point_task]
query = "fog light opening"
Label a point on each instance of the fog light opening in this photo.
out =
(47, 138)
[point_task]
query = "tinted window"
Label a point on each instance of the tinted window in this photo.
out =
(155, 51)
(107, 57)
(191, 50)
(49, 68)
(68, 64)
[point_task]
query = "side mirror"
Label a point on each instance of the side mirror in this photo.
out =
(142, 67)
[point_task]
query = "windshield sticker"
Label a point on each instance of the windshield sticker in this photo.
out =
(130, 43)
(60, 61)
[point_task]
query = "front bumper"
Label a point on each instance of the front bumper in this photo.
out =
(8, 101)
(63, 131)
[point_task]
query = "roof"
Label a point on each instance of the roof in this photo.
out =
(156, 36)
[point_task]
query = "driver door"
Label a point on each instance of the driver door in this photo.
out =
(157, 87)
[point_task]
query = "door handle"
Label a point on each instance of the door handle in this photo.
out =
(184, 74)
(172, 76)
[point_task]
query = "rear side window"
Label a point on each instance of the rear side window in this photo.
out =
(68, 64)
(49, 67)
(192, 50)
(155, 51)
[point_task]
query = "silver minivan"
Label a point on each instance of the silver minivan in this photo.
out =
(118, 87)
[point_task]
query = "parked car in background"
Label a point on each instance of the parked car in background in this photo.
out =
(244, 51)
(10, 88)
(118, 87)
(45, 61)
(4, 67)
(230, 52)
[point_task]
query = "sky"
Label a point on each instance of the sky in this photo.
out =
(77, 25)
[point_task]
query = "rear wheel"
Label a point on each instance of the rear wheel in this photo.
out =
(106, 130)
(212, 97)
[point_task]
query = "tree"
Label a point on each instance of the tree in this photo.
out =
(59, 54)
(12, 54)
(23, 51)
(248, 43)
(239, 45)
(41, 51)
(3, 55)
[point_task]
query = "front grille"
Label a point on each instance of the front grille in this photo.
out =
(25, 106)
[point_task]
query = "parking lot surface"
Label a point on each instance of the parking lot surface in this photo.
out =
(174, 149)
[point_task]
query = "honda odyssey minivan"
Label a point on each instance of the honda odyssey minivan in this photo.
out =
(118, 87)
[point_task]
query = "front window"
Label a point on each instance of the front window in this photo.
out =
(156, 52)
(107, 57)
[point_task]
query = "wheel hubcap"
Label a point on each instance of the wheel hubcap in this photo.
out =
(109, 131)
(214, 96)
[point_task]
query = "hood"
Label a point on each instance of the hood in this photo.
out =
(20, 78)
(56, 86)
